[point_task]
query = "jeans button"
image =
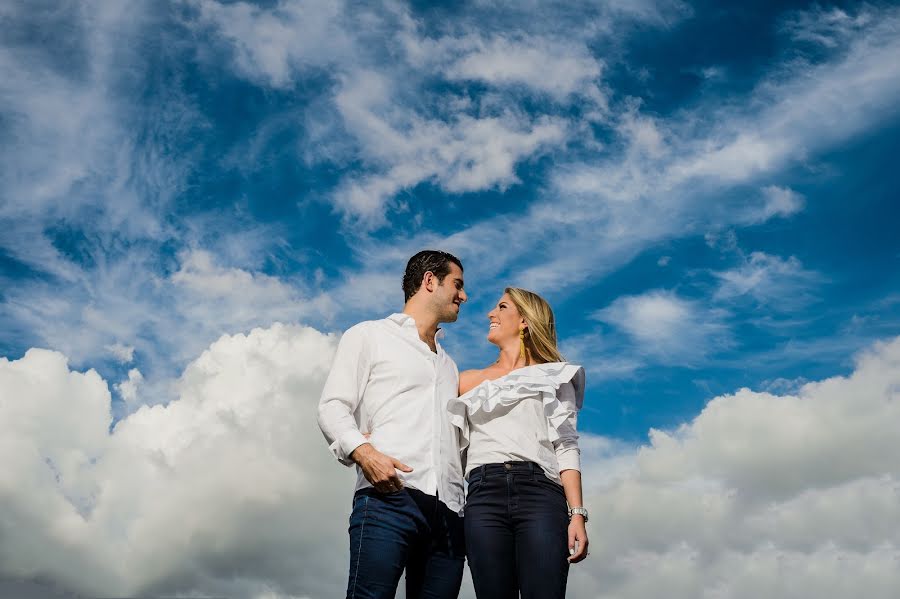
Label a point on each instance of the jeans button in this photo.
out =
(508, 466)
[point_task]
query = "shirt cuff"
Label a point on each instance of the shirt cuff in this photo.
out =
(569, 459)
(345, 444)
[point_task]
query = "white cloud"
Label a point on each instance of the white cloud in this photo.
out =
(230, 489)
(165, 320)
(235, 297)
(128, 388)
(403, 133)
(777, 282)
(760, 495)
(227, 490)
(825, 27)
(122, 353)
(778, 202)
(76, 150)
(552, 67)
(667, 327)
(272, 45)
(467, 155)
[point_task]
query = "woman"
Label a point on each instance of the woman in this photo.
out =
(517, 422)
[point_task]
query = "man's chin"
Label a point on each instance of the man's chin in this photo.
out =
(450, 316)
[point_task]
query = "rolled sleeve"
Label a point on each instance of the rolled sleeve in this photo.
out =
(568, 453)
(341, 394)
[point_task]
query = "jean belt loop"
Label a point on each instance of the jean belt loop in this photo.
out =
(531, 467)
(483, 469)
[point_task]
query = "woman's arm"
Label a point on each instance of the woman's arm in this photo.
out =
(578, 540)
(568, 456)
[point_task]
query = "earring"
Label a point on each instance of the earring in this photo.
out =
(522, 345)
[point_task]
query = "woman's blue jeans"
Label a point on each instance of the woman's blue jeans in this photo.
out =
(516, 524)
(404, 530)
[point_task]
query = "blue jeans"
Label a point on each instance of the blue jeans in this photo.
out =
(516, 532)
(407, 529)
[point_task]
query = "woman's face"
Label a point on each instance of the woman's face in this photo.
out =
(505, 321)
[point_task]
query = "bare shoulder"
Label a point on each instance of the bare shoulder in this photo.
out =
(469, 379)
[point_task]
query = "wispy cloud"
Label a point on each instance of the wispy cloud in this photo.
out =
(705, 170)
(668, 328)
(404, 133)
(780, 283)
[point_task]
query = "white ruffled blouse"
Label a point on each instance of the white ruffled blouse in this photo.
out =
(529, 414)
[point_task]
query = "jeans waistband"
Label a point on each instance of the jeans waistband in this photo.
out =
(511, 467)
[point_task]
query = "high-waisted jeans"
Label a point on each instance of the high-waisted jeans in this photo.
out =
(407, 529)
(516, 524)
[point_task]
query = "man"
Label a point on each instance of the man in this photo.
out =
(384, 408)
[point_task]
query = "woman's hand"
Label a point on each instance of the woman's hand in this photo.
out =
(578, 541)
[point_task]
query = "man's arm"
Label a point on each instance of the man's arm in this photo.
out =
(341, 395)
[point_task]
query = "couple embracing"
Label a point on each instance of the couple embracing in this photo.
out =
(396, 406)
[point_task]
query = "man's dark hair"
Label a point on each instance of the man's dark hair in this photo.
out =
(435, 261)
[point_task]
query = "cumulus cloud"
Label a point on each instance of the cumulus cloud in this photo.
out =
(230, 490)
(227, 490)
(128, 388)
(759, 495)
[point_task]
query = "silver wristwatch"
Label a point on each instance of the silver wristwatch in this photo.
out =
(578, 511)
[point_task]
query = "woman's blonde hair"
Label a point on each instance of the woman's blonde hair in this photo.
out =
(540, 336)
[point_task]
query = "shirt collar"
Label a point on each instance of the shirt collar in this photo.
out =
(407, 321)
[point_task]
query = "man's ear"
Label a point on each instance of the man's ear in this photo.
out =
(428, 280)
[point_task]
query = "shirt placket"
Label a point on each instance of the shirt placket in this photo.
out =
(434, 362)
(435, 425)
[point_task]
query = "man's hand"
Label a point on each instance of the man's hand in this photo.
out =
(379, 469)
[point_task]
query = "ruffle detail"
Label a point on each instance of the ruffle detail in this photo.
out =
(541, 380)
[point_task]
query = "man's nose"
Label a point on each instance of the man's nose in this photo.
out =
(462, 296)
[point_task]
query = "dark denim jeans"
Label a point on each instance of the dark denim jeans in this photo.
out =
(407, 529)
(516, 532)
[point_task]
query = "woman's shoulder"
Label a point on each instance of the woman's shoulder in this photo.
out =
(469, 379)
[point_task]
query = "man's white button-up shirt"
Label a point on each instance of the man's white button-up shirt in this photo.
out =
(386, 381)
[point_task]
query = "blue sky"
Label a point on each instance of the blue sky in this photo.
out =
(706, 193)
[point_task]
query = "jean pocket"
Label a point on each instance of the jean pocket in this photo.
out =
(360, 507)
(550, 485)
(474, 486)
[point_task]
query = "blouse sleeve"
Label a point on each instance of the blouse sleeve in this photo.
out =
(571, 396)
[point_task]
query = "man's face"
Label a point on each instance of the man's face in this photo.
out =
(448, 295)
